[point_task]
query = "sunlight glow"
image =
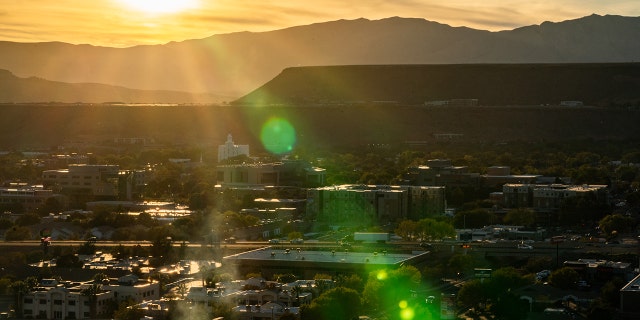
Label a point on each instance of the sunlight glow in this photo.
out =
(278, 136)
(160, 6)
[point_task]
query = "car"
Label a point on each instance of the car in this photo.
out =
(345, 245)
(430, 299)
(583, 285)
(230, 240)
(524, 246)
(543, 274)
(297, 241)
(274, 241)
(425, 245)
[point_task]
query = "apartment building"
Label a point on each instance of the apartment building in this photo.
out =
(80, 300)
(373, 204)
(549, 197)
(29, 198)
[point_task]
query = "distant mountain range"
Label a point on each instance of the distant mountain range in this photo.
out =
(231, 65)
(32, 89)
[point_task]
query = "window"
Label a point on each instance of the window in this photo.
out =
(43, 301)
(72, 302)
(28, 300)
(57, 302)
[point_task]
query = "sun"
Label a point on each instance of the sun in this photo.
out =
(160, 6)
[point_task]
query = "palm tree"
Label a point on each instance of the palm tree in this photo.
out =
(19, 289)
(297, 290)
(92, 292)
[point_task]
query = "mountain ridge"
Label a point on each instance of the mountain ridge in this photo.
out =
(35, 89)
(234, 64)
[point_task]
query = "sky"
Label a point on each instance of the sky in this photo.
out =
(125, 23)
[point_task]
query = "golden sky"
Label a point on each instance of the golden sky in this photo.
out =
(123, 23)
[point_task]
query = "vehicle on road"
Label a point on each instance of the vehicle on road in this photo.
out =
(543, 274)
(297, 241)
(524, 246)
(274, 241)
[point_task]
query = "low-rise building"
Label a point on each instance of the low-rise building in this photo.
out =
(548, 197)
(53, 300)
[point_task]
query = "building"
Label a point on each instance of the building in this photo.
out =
(373, 204)
(83, 182)
(53, 300)
(630, 299)
(440, 172)
(549, 197)
(84, 300)
(29, 198)
(305, 264)
(296, 173)
(497, 176)
(129, 287)
(230, 150)
(101, 181)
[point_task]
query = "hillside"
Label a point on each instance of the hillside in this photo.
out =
(236, 63)
(84, 127)
(606, 85)
(21, 90)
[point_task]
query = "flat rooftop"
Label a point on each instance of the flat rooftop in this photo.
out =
(293, 254)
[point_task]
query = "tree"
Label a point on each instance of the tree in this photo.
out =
(336, 303)
(615, 222)
(475, 218)
(19, 289)
(407, 229)
(520, 217)
(352, 281)
(386, 288)
(92, 293)
(128, 312)
(564, 278)
(17, 234)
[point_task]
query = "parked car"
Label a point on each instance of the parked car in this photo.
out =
(425, 245)
(543, 274)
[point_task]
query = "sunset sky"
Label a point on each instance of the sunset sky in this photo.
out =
(123, 23)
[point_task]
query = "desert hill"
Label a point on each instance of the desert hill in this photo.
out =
(605, 85)
(236, 63)
(32, 89)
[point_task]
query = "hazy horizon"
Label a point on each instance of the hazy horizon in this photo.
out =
(124, 23)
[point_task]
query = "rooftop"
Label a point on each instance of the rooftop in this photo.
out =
(299, 254)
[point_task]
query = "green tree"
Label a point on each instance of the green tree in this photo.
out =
(386, 288)
(615, 222)
(407, 229)
(564, 278)
(336, 303)
(520, 217)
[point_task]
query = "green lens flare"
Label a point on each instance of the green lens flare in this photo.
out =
(278, 136)
(407, 314)
(382, 275)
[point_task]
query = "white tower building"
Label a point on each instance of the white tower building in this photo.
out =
(230, 150)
